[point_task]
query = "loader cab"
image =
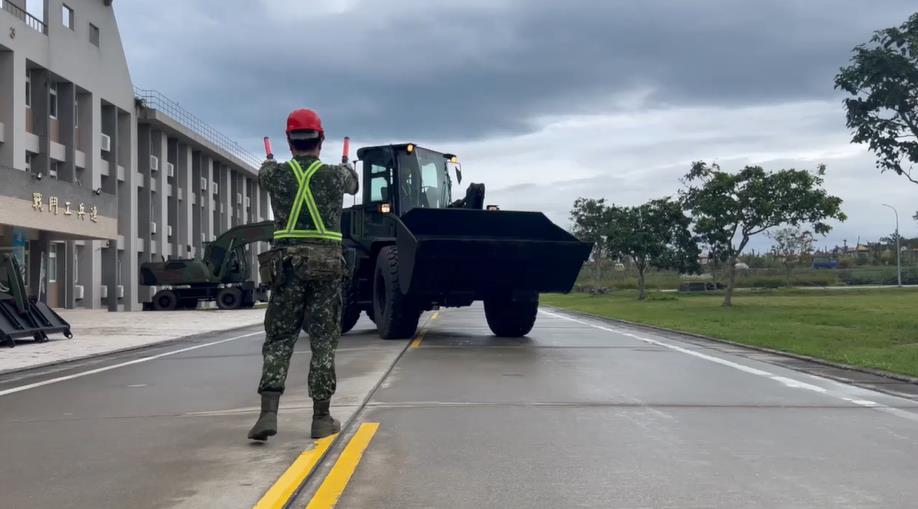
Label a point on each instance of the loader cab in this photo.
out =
(398, 178)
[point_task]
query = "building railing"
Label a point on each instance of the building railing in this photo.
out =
(33, 22)
(154, 100)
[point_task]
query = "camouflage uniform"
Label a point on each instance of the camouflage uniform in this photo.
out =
(307, 275)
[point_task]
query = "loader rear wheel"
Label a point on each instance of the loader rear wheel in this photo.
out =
(511, 319)
(165, 300)
(395, 315)
(229, 298)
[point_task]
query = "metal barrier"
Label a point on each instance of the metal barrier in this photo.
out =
(155, 100)
(33, 22)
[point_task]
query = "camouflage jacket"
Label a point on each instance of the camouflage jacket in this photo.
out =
(328, 187)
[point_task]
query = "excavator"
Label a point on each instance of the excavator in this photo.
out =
(22, 316)
(223, 274)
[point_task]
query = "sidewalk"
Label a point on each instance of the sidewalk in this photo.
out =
(97, 332)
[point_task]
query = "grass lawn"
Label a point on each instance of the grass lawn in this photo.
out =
(867, 328)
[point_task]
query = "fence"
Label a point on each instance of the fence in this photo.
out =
(754, 278)
(33, 22)
(154, 100)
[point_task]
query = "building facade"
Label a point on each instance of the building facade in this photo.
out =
(95, 176)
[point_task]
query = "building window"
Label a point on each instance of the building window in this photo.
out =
(52, 264)
(52, 107)
(28, 89)
(67, 16)
(28, 161)
(55, 169)
(94, 34)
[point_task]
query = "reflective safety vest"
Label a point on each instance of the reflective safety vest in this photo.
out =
(304, 199)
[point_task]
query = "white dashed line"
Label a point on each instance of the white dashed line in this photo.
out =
(120, 365)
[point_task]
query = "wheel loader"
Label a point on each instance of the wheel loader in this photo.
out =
(411, 247)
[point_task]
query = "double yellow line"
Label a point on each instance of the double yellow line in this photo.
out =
(334, 484)
(331, 489)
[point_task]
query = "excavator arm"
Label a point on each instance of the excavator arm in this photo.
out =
(219, 254)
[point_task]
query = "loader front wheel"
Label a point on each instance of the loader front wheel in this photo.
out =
(511, 319)
(395, 315)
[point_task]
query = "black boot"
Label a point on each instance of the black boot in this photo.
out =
(323, 424)
(267, 421)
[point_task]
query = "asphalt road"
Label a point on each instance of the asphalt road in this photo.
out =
(579, 414)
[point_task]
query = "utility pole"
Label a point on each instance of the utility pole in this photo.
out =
(898, 251)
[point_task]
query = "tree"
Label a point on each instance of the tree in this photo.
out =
(729, 209)
(882, 111)
(655, 234)
(791, 245)
(590, 218)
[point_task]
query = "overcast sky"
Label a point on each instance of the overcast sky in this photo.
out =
(544, 101)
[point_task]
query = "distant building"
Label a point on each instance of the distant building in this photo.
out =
(95, 179)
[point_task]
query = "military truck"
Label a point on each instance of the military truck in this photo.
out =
(410, 247)
(222, 274)
(22, 316)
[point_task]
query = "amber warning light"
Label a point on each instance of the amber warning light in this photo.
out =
(346, 151)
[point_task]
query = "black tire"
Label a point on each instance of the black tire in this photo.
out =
(350, 312)
(188, 303)
(396, 316)
(510, 319)
(165, 300)
(229, 298)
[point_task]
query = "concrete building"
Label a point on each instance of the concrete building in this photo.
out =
(95, 176)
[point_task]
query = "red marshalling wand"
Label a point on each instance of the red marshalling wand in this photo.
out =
(347, 150)
(268, 152)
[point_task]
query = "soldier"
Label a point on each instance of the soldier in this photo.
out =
(306, 267)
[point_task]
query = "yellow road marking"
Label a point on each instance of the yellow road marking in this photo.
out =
(279, 494)
(416, 342)
(333, 486)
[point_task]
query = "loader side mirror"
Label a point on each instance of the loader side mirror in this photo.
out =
(457, 168)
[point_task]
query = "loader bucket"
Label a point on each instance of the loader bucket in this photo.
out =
(478, 252)
(20, 317)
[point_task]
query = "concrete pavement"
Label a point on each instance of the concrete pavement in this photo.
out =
(168, 431)
(97, 332)
(586, 414)
(581, 413)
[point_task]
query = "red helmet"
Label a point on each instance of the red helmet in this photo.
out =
(304, 120)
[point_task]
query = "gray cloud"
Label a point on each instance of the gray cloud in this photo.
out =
(409, 69)
(544, 101)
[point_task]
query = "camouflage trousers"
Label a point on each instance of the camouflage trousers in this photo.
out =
(312, 305)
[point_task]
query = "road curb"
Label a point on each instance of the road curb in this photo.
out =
(127, 349)
(876, 372)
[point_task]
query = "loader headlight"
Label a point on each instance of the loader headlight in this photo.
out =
(385, 208)
(409, 148)
(493, 207)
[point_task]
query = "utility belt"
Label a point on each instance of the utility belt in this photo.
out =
(305, 262)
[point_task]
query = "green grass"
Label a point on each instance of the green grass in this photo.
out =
(866, 328)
